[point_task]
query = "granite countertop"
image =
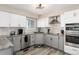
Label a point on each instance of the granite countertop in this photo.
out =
(52, 33)
(38, 32)
(55, 34)
(47, 33)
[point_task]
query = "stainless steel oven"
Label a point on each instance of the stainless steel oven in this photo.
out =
(72, 34)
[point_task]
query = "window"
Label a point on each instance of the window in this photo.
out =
(31, 23)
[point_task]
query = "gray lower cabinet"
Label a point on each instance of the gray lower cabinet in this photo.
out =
(61, 43)
(6, 51)
(17, 43)
(39, 38)
(32, 39)
(23, 42)
(54, 41)
(48, 40)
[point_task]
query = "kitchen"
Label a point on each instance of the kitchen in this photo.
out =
(38, 30)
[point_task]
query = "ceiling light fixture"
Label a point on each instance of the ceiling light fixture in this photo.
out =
(40, 6)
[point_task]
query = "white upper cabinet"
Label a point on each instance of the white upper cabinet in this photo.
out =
(67, 15)
(4, 19)
(22, 21)
(43, 22)
(70, 17)
(12, 20)
(18, 21)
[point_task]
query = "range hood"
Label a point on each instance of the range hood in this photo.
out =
(54, 20)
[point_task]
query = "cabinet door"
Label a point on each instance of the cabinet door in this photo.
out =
(67, 15)
(70, 17)
(45, 40)
(14, 20)
(22, 21)
(39, 38)
(22, 42)
(61, 43)
(55, 41)
(4, 19)
(17, 43)
(18, 21)
(32, 39)
(48, 40)
(7, 51)
(76, 14)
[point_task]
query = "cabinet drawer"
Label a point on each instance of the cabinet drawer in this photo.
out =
(71, 50)
(7, 51)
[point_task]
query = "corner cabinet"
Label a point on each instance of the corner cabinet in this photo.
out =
(48, 40)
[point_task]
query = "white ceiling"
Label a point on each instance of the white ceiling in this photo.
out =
(51, 8)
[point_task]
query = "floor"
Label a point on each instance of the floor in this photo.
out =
(40, 51)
